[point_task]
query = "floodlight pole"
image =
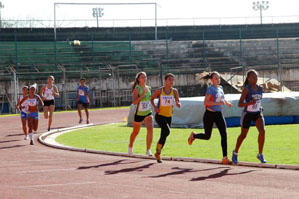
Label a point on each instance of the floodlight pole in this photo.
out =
(155, 4)
(1, 6)
(264, 5)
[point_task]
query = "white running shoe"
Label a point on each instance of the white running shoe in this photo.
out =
(149, 153)
(26, 137)
(130, 151)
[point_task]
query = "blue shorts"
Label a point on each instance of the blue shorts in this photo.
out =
(24, 115)
(33, 115)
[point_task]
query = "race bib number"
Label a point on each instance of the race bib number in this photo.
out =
(144, 106)
(81, 92)
(167, 101)
(255, 107)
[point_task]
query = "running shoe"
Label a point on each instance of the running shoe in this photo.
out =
(49, 129)
(226, 160)
(31, 142)
(191, 138)
(26, 137)
(149, 153)
(158, 157)
(261, 158)
(80, 121)
(130, 151)
(235, 157)
(87, 121)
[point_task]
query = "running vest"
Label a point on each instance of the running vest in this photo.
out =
(217, 95)
(165, 103)
(144, 105)
(257, 95)
(48, 93)
(24, 105)
(32, 101)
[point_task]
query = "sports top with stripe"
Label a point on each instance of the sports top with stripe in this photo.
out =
(165, 103)
(24, 105)
(49, 93)
(257, 95)
(144, 105)
(32, 101)
(217, 95)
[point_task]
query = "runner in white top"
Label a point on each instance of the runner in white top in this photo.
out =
(24, 109)
(48, 94)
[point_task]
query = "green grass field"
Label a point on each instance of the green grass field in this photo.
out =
(281, 145)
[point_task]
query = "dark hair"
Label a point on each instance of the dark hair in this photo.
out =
(204, 77)
(248, 73)
(136, 82)
(168, 75)
(82, 79)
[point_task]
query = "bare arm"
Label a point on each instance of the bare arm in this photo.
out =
(242, 98)
(40, 100)
(24, 98)
(42, 92)
(56, 93)
(154, 96)
(177, 98)
(208, 101)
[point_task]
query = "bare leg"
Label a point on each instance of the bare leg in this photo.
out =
(79, 111)
(136, 128)
(240, 139)
(51, 110)
(148, 121)
(46, 114)
(24, 126)
(260, 125)
(87, 114)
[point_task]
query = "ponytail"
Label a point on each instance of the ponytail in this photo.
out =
(204, 77)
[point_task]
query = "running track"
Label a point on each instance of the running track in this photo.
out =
(41, 172)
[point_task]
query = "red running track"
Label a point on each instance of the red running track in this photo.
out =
(45, 173)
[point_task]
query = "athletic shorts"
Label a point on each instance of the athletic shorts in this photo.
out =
(139, 118)
(34, 115)
(84, 104)
(248, 117)
(49, 102)
(24, 115)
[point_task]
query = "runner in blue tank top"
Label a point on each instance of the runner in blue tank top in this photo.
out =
(250, 99)
(214, 100)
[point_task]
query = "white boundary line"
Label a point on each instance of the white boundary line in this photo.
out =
(48, 139)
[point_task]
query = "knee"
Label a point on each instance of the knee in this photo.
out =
(243, 135)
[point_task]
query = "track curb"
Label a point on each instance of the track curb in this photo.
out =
(48, 139)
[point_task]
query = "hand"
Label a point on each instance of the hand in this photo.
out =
(178, 105)
(229, 105)
(253, 101)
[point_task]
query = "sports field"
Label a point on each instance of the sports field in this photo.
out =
(281, 145)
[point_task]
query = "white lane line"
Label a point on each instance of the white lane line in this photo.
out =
(54, 185)
(47, 170)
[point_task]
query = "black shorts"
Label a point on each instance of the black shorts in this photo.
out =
(49, 102)
(139, 118)
(85, 105)
(248, 117)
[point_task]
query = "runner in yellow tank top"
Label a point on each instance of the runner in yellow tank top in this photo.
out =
(164, 110)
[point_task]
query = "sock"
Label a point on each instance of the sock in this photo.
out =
(31, 136)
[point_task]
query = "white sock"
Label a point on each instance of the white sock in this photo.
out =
(31, 136)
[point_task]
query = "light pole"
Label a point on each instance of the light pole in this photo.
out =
(97, 12)
(1, 6)
(264, 5)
